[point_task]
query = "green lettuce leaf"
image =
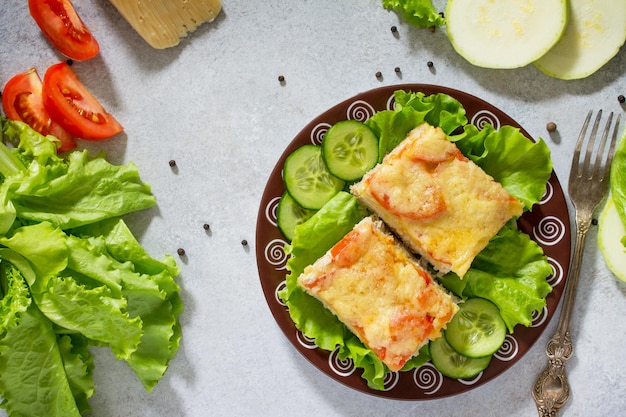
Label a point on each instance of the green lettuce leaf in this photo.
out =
(79, 366)
(420, 13)
(392, 126)
(66, 192)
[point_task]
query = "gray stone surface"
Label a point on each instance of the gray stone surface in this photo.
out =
(214, 104)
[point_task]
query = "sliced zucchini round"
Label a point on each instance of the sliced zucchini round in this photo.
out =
(595, 33)
(350, 149)
(505, 33)
(610, 234)
(307, 178)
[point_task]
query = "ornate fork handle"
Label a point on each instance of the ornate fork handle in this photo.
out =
(551, 391)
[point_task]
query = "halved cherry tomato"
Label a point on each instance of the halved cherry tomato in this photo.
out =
(22, 100)
(60, 23)
(71, 105)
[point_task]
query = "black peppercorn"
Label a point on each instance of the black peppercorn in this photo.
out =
(394, 29)
(69, 62)
(430, 64)
(281, 78)
(397, 69)
(172, 163)
(621, 99)
(206, 226)
(379, 74)
(181, 252)
(244, 242)
(551, 127)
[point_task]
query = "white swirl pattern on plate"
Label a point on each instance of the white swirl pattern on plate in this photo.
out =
(509, 349)
(318, 132)
(270, 210)
(391, 102)
(557, 272)
(275, 254)
(342, 367)
(360, 110)
(305, 341)
(549, 231)
(539, 318)
(471, 381)
(279, 288)
(547, 196)
(484, 117)
(391, 380)
(428, 378)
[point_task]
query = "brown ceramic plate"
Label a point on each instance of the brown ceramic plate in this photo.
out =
(547, 224)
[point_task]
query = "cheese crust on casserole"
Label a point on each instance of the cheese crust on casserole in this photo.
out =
(443, 206)
(379, 291)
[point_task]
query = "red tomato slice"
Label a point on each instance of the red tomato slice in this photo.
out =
(60, 23)
(71, 105)
(22, 100)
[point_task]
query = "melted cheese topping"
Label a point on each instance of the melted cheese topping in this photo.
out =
(441, 204)
(372, 284)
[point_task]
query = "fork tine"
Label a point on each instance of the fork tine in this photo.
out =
(609, 159)
(590, 144)
(600, 156)
(575, 170)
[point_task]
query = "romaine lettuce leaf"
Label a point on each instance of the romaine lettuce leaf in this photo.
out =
(420, 13)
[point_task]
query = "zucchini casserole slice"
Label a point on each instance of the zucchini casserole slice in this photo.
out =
(442, 205)
(380, 292)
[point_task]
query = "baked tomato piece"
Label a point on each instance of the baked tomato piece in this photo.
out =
(71, 105)
(22, 100)
(62, 26)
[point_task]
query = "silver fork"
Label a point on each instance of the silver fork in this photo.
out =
(588, 184)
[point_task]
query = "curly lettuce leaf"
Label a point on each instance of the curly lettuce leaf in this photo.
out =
(392, 126)
(33, 380)
(78, 364)
(516, 284)
(522, 166)
(147, 284)
(66, 192)
(420, 13)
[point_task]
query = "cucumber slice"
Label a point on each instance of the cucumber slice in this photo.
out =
(610, 233)
(505, 33)
(477, 329)
(350, 149)
(289, 214)
(454, 365)
(307, 178)
(595, 33)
